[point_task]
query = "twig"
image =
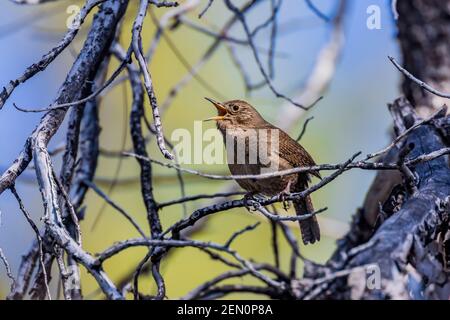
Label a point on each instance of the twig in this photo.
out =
(139, 144)
(54, 224)
(8, 269)
(72, 213)
(277, 218)
(239, 14)
(320, 282)
(166, 4)
(81, 102)
(118, 167)
(102, 29)
(25, 272)
(31, 2)
(136, 115)
(200, 196)
(89, 143)
(408, 175)
(200, 290)
(203, 212)
(127, 216)
(436, 114)
(321, 73)
(227, 38)
(38, 236)
(317, 11)
(180, 177)
(137, 50)
(240, 232)
(51, 55)
(305, 124)
(394, 9)
(64, 274)
(276, 6)
(274, 240)
(358, 164)
(120, 246)
(208, 5)
(195, 293)
(175, 89)
(218, 292)
(6, 263)
(217, 257)
(419, 82)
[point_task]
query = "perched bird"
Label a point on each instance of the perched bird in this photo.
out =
(237, 120)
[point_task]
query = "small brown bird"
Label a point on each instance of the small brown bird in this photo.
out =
(237, 120)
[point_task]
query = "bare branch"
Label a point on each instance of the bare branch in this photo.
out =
(419, 82)
(38, 236)
(6, 264)
(51, 55)
(137, 50)
(317, 11)
(240, 15)
(305, 125)
(116, 206)
(240, 232)
(31, 2)
(202, 13)
(435, 115)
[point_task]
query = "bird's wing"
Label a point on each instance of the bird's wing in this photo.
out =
(294, 153)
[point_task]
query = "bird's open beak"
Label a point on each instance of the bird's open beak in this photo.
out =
(220, 109)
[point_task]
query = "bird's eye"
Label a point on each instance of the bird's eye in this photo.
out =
(235, 108)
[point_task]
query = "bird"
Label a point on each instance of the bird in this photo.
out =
(238, 121)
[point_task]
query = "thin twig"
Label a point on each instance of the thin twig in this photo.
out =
(419, 82)
(317, 11)
(51, 55)
(108, 200)
(208, 5)
(120, 246)
(199, 197)
(137, 50)
(305, 124)
(81, 102)
(266, 77)
(436, 114)
(364, 165)
(240, 232)
(6, 263)
(38, 236)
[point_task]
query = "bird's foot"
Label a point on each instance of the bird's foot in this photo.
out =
(284, 194)
(252, 201)
(286, 203)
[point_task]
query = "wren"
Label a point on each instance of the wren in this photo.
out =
(237, 118)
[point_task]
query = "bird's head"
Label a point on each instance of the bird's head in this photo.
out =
(235, 114)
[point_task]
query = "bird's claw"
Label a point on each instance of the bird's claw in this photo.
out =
(284, 194)
(251, 202)
(286, 203)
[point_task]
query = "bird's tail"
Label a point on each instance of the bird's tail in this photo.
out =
(310, 227)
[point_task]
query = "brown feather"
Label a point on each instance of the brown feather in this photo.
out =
(289, 154)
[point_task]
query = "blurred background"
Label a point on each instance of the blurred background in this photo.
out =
(351, 117)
